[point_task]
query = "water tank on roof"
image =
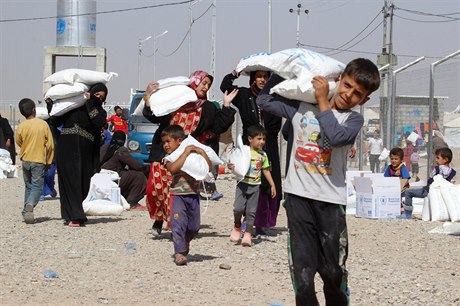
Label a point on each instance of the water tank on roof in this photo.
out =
(76, 23)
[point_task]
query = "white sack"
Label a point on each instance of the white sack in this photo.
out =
(438, 208)
(62, 91)
(139, 108)
(253, 62)
(290, 89)
(451, 197)
(167, 100)
(240, 157)
(70, 76)
(60, 107)
(5, 154)
(179, 80)
(426, 211)
(195, 165)
(296, 65)
(42, 113)
(101, 208)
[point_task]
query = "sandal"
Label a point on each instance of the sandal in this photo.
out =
(180, 260)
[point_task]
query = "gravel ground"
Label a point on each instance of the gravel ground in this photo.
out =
(115, 260)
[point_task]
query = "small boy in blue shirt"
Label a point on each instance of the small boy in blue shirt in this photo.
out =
(397, 168)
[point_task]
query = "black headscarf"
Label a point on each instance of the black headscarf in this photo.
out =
(118, 140)
(252, 82)
(97, 88)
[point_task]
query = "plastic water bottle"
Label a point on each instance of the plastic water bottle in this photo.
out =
(131, 246)
(48, 273)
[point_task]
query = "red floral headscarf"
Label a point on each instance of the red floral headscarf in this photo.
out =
(195, 80)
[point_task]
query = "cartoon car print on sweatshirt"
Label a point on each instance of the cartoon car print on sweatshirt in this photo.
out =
(311, 153)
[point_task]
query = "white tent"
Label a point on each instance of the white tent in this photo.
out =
(452, 130)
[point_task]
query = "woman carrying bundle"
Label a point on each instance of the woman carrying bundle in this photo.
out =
(199, 118)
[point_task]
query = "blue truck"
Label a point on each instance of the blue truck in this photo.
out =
(140, 130)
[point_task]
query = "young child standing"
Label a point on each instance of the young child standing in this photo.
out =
(184, 190)
(443, 159)
(319, 139)
(34, 138)
(397, 168)
(247, 190)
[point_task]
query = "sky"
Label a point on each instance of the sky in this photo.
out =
(353, 26)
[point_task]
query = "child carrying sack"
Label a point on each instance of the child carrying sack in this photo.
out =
(195, 165)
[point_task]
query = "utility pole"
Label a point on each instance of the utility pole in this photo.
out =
(213, 46)
(387, 58)
(298, 10)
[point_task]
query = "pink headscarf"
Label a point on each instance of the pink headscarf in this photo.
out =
(195, 80)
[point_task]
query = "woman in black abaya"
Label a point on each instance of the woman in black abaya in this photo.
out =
(77, 153)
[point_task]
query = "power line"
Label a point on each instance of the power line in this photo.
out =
(367, 52)
(97, 13)
(427, 21)
(447, 16)
(187, 33)
(359, 32)
(359, 40)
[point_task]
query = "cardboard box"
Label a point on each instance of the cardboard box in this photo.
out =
(378, 197)
(349, 179)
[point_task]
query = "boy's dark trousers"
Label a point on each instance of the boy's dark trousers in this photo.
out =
(318, 242)
(185, 220)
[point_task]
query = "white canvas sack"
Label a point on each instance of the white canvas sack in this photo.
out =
(253, 62)
(179, 80)
(298, 66)
(99, 200)
(438, 207)
(290, 89)
(167, 100)
(70, 76)
(240, 157)
(451, 197)
(62, 91)
(101, 207)
(42, 113)
(195, 165)
(426, 211)
(62, 106)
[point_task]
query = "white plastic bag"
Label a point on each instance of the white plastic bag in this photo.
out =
(438, 208)
(70, 76)
(384, 155)
(413, 137)
(62, 91)
(167, 100)
(240, 157)
(60, 107)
